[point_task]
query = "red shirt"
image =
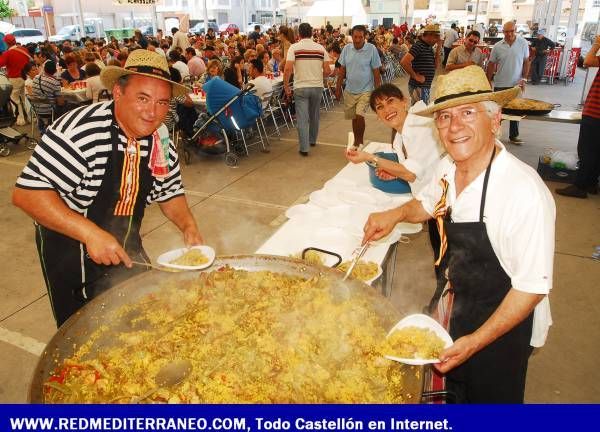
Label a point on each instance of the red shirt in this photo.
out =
(591, 108)
(15, 59)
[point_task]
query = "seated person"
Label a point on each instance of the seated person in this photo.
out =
(214, 69)
(234, 73)
(172, 119)
(175, 61)
(93, 83)
(262, 84)
(73, 72)
(46, 88)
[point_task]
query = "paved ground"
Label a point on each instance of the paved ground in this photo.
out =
(239, 208)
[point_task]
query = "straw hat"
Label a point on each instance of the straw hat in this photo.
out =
(145, 63)
(431, 28)
(466, 86)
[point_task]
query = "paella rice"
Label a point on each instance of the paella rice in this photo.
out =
(364, 270)
(193, 257)
(415, 342)
(250, 336)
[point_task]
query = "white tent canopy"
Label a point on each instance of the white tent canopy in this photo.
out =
(331, 10)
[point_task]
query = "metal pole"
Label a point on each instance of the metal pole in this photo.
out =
(406, 12)
(154, 19)
(343, 11)
(82, 27)
(476, 13)
(205, 16)
(274, 12)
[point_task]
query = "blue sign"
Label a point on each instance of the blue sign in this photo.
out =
(48, 9)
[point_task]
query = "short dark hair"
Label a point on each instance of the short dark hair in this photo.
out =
(258, 64)
(174, 30)
(305, 30)
(26, 69)
(257, 27)
(174, 56)
(175, 74)
(453, 25)
(190, 50)
(335, 48)
(384, 90)
(50, 67)
(474, 33)
(92, 69)
(360, 28)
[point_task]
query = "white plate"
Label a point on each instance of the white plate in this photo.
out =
(166, 258)
(324, 198)
(301, 211)
(370, 197)
(420, 320)
(339, 184)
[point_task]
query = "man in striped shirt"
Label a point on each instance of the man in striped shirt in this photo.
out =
(309, 62)
(588, 148)
(92, 175)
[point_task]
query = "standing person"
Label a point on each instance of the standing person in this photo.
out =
(467, 54)
(588, 149)
(450, 36)
(496, 219)
(421, 63)
(309, 62)
(255, 35)
(359, 66)
(92, 175)
(508, 67)
(180, 39)
(541, 46)
(15, 58)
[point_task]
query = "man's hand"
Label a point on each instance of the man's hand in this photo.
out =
(380, 224)
(457, 354)
(192, 237)
(103, 248)
(419, 78)
(522, 83)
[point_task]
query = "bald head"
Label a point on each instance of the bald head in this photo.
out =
(509, 32)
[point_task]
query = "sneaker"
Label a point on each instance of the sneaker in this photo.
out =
(516, 140)
(303, 153)
(572, 191)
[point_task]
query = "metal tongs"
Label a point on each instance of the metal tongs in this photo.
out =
(356, 259)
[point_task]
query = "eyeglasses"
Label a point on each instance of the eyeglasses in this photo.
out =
(467, 115)
(472, 41)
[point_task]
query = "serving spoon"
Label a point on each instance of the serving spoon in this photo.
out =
(168, 376)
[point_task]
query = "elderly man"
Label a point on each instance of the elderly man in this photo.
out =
(421, 63)
(92, 175)
(359, 66)
(508, 67)
(496, 221)
(541, 46)
(467, 54)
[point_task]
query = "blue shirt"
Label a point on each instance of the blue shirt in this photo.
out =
(359, 66)
(509, 59)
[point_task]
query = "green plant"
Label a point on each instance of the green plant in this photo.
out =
(5, 10)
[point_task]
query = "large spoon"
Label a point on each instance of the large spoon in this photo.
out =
(169, 375)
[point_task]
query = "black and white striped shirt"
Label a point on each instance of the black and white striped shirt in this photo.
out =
(72, 157)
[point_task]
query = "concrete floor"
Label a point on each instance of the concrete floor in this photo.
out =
(239, 208)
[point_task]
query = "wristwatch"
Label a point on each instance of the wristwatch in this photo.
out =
(373, 162)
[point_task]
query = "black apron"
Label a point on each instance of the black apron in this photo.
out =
(472, 274)
(71, 277)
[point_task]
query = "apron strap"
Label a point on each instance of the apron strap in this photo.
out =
(485, 183)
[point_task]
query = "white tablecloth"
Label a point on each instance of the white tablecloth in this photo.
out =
(323, 231)
(77, 95)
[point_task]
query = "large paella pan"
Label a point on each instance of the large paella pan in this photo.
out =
(255, 328)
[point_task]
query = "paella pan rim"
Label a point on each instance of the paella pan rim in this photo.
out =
(114, 298)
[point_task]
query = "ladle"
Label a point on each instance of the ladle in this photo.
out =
(169, 375)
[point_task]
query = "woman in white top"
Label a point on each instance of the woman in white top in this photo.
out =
(415, 154)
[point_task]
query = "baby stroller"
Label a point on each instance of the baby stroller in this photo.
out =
(7, 117)
(229, 112)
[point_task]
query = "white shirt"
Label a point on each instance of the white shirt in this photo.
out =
(422, 147)
(308, 57)
(519, 217)
(262, 85)
(450, 37)
(93, 87)
(182, 68)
